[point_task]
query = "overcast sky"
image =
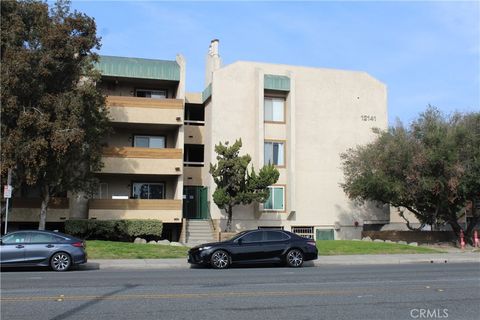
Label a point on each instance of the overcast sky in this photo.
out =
(425, 52)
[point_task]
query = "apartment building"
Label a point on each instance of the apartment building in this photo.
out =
(156, 162)
(143, 166)
(300, 119)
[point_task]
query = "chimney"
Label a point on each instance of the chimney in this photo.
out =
(213, 61)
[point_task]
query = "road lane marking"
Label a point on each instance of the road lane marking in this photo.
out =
(354, 292)
(177, 295)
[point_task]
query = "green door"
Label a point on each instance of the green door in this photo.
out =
(325, 234)
(203, 203)
(195, 205)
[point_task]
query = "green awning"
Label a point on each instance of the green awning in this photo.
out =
(207, 92)
(274, 82)
(139, 68)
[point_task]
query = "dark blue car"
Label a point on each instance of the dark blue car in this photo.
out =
(41, 248)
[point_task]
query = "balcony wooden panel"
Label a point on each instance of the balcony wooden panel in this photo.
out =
(135, 204)
(145, 153)
(145, 111)
(34, 203)
(166, 210)
(136, 102)
(130, 160)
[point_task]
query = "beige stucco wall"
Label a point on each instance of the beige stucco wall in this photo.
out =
(192, 176)
(167, 216)
(323, 119)
(395, 216)
(194, 134)
(121, 185)
(193, 97)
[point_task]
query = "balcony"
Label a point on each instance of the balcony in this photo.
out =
(130, 160)
(123, 109)
(194, 134)
(28, 210)
(167, 210)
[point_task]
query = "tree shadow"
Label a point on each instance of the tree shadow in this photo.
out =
(92, 302)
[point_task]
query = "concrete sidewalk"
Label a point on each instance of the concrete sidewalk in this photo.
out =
(371, 259)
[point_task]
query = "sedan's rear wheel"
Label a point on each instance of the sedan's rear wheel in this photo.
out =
(60, 261)
(294, 258)
(220, 259)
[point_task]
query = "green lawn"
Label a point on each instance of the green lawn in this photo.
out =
(97, 249)
(341, 247)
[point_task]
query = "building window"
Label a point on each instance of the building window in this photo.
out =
(193, 155)
(149, 142)
(274, 109)
(148, 190)
(152, 94)
(276, 200)
(306, 232)
(274, 153)
(102, 191)
(194, 115)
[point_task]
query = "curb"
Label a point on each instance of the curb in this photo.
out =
(146, 264)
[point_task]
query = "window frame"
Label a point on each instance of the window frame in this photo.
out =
(149, 183)
(278, 97)
(284, 199)
(151, 90)
(26, 238)
(250, 232)
(276, 231)
(149, 136)
(53, 238)
(272, 141)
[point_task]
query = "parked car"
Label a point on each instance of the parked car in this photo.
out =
(41, 248)
(256, 246)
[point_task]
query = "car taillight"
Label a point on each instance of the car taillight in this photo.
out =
(78, 244)
(312, 243)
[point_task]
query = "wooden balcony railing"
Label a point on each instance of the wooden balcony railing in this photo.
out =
(135, 204)
(55, 203)
(145, 153)
(136, 102)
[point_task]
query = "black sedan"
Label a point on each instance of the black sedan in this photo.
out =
(41, 248)
(256, 246)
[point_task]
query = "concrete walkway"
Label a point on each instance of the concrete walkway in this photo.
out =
(372, 259)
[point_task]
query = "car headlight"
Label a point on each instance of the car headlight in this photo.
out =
(204, 248)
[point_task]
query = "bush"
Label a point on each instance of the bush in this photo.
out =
(143, 228)
(123, 230)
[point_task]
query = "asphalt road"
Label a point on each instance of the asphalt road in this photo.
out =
(420, 291)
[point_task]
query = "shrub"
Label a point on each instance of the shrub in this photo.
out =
(124, 230)
(143, 228)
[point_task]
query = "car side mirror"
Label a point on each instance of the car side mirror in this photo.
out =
(240, 241)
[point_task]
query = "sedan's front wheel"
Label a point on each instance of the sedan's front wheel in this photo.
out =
(220, 259)
(295, 258)
(60, 261)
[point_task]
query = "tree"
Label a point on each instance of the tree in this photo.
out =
(431, 168)
(235, 185)
(53, 116)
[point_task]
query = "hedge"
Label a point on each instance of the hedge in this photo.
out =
(125, 230)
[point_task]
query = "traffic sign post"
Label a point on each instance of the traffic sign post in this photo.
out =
(7, 194)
